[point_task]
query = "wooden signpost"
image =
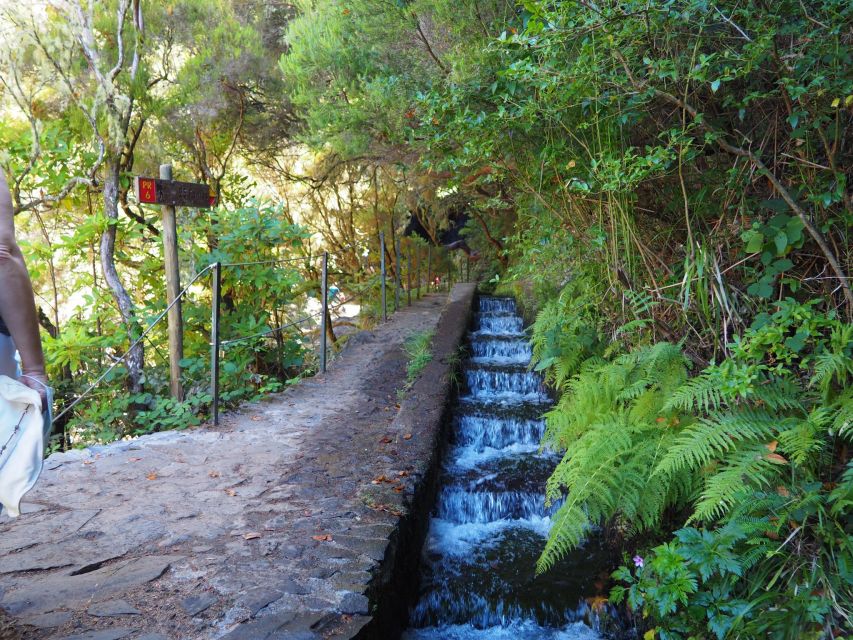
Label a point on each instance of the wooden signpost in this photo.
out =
(169, 194)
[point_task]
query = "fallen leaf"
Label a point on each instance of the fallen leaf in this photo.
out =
(408, 436)
(597, 603)
(776, 458)
(771, 446)
(660, 419)
(782, 491)
(386, 440)
(88, 462)
(231, 492)
(399, 488)
(214, 474)
(403, 474)
(134, 459)
(256, 418)
(152, 475)
(253, 535)
(323, 538)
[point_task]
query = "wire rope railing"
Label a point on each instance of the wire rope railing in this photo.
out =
(329, 306)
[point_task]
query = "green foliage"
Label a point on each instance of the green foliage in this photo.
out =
(766, 448)
(753, 448)
(612, 424)
(418, 348)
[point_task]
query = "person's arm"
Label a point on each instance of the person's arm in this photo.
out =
(17, 304)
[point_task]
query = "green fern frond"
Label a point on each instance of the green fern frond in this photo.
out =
(807, 437)
(842, 423)
(841, 497)
(701, 393)
(716, 436)
(777, 393)
(834, 364)
(747, 467)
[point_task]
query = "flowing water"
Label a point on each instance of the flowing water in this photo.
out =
(490, 522)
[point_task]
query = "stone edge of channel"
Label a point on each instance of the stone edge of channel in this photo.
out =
(423, 413)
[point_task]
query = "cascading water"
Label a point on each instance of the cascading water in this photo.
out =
(490, 523)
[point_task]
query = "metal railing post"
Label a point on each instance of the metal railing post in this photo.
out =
(325, 293)
(214, 340)
(382, 269)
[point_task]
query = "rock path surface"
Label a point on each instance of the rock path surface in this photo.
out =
(270, 526)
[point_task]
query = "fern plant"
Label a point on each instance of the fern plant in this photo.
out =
(562, 338)
(763, 425)
(769, 450)
(614, 428)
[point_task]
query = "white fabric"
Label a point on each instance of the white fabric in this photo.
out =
(22, 447)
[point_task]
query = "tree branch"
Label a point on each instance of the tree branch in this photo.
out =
(720, 139)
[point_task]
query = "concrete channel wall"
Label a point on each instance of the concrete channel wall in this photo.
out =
(424, 413)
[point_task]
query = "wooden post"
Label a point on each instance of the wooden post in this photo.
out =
(324, 287)
(397, 274)
(382, 269)
(467, 269)
(429, 268)
(173, 290)
(418, 270)
(409, 275)
(214, 340)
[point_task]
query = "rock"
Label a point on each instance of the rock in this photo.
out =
(373, 548)
(103, 634)
(256, 599)
(194, 605)
(289, 585)
(48, 620)
(152, 636)
(86, 587)
(354, 603)
(112, 608)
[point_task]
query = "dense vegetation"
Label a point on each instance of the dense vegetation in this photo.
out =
(93, 94)
(665, 184)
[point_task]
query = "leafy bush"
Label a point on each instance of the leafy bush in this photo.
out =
(753, 449)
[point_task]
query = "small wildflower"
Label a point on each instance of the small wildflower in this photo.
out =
(639, 562)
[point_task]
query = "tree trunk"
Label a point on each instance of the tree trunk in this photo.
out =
(135, 360)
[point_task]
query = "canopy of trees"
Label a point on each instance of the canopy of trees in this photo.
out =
(665, 184)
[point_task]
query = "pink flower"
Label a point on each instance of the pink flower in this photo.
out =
(639, 562)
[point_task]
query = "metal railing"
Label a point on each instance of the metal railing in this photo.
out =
(217, 345)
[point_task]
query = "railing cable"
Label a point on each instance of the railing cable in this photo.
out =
(133, 345)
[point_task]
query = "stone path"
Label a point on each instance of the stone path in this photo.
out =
(270, 526)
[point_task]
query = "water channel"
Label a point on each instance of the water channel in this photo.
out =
(490, 522)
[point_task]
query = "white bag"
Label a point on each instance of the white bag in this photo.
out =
(21, 442)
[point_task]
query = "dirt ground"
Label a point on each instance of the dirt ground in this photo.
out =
(275, 521)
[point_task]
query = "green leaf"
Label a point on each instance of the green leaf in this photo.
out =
(781, 242)
(755, 242)
(715, 85)
(796, 342)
